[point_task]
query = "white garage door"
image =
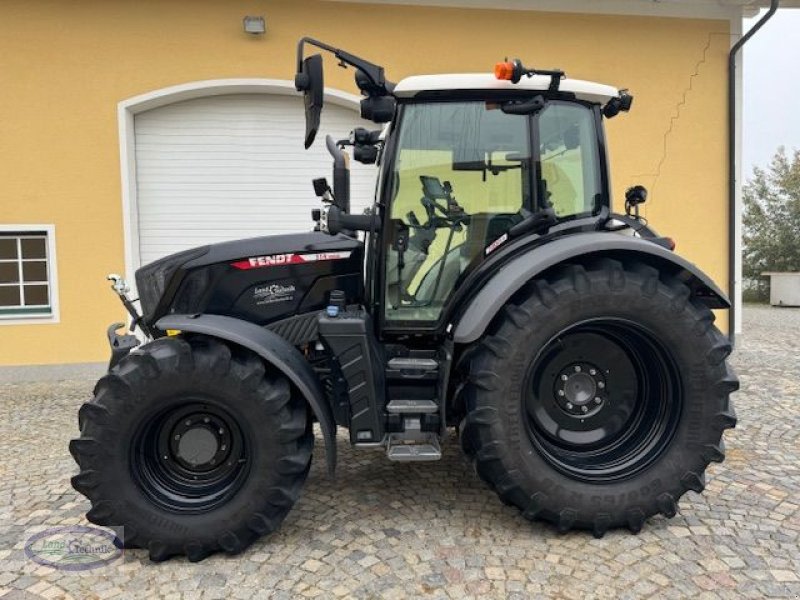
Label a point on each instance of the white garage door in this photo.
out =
(227, 167)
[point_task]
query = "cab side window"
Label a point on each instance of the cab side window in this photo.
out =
(569, 160)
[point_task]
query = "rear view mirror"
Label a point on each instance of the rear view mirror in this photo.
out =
(468, 158)
(310, 81)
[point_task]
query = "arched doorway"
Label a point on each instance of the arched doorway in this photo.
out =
(219, 160)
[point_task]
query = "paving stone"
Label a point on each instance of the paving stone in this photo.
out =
(780, 575)
(389, 530)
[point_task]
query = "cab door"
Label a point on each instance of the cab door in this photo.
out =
(461, 174)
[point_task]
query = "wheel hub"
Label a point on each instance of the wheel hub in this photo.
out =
(603, 396)
(200, 441)
(580, 389)
(197, 447)
(190, 457)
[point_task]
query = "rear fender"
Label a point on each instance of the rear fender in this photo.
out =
(474, 319)
(274, 350)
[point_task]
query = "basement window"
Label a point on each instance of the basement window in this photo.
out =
(27, 278)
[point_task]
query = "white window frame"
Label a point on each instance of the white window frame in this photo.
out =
(52, 271)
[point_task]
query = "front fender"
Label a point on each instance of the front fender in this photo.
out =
(274, 350)
(498, 289)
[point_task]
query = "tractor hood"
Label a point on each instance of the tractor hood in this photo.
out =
(258, 279)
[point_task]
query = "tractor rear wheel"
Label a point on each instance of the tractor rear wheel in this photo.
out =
(191, 447)
(599, 397)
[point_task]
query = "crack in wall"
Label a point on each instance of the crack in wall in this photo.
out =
(678, 110)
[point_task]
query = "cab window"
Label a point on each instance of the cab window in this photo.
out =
(462, 174)
(569, 158)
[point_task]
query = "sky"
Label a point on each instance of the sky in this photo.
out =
(771, 89)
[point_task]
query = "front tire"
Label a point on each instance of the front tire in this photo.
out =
(599, 397)
(191, 447)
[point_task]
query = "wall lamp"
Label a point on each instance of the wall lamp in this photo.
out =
(254, 25)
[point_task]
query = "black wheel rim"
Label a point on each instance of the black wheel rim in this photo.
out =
(603, 400)
(191, 457)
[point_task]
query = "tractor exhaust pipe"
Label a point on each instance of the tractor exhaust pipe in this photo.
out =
(341, 175)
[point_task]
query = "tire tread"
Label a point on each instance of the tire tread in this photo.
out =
(481, 372)
(175, 356)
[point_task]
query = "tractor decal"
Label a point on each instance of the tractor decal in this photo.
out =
(273, 293)
(278, 260)
(496, 244)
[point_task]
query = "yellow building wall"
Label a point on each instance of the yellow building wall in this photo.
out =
(64, 66)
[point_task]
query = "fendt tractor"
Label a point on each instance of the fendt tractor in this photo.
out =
(489, 291)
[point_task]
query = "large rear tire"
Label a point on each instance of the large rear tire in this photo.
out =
(191, 447)
(599, 397)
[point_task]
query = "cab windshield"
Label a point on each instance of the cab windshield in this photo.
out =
(466, 172)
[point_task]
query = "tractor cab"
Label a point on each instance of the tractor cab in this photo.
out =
(473, 163)
(468, 164)
(472, 168)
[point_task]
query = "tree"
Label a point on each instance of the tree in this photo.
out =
(772, 217)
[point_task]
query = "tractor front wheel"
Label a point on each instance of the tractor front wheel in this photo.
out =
(190, 446)
(599, 397)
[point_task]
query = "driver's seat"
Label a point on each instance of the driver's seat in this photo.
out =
(485, 229)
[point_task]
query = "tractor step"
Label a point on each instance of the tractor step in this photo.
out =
(412, 370)
(413, 364)
(412, 407)
(423, 448)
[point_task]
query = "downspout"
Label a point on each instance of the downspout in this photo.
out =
(733, 257)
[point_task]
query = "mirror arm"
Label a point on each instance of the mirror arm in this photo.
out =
(313, 42)
(373, 72)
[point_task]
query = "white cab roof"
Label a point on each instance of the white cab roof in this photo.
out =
(583, 90)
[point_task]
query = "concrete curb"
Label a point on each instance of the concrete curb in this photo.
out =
(35, 373)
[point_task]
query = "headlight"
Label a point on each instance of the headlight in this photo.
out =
(153, 280)
(192, 291)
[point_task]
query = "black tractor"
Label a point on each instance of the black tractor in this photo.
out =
(489, 290)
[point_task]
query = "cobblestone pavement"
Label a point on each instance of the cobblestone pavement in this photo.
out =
(383, 530)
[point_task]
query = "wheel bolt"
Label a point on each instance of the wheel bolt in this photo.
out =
(177, 436)
(561, 393)
(569, 406)
(188, 422)
(585, 409)
(221, 431)
(592, 372)
(597, 400)
(577, 368)
(166, 457)
(206, 420)
(564, 378)
(601, 385)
